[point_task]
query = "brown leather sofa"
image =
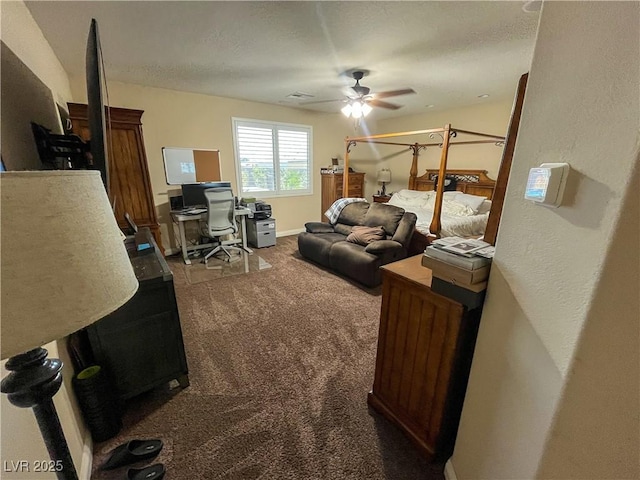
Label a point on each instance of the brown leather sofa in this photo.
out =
(326, 244)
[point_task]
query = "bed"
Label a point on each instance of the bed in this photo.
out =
(440, 212)
(465, 210)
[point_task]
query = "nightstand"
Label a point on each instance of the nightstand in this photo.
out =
(381, 198)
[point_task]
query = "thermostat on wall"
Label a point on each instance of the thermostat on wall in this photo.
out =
(546, 183)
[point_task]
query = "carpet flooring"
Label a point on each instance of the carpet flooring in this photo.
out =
(280, 363)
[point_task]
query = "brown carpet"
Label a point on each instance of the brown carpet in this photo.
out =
(280, 362)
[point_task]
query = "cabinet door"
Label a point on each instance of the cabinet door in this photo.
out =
(425, 346)
(140, 344)
(129, 184)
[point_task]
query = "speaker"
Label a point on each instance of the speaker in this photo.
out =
(175, 200)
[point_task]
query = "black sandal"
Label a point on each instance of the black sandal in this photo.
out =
(133, 451)
(152, 472)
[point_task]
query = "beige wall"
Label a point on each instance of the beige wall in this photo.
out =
(489, 117)
(179, 119)
(553, 391)
(22, 35)
(21, 438)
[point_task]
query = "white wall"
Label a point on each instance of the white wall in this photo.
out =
(553, 391)
(21, 439)
(180, 119)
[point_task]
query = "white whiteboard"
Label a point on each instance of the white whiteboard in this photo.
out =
(188, 165)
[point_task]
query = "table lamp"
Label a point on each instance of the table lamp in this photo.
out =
(384, 177)
(64, 266)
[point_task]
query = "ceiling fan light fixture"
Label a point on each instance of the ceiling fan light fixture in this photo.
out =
(356, 109)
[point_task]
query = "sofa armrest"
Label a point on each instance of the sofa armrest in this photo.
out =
(383, 246)
(405, 229)
(319, 227)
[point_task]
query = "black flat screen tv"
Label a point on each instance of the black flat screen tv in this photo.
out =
(69, 151)
(95, 103)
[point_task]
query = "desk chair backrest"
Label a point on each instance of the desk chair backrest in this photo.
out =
(220, 212)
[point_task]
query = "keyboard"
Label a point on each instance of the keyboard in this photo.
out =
(194, 211)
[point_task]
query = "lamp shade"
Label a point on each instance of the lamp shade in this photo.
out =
(384, 175)
(63, 263)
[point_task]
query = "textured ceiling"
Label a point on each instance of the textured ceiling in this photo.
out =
(448, 52)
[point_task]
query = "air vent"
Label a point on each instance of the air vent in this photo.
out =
(300, 95)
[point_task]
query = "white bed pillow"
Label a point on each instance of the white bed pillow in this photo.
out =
(410, 198)
(485, 207)
(472, 201)
(451, 194)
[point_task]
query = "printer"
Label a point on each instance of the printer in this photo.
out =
(259, 209)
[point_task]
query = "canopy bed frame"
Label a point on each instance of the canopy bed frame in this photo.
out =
(473, 182)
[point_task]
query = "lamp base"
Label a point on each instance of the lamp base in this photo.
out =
(383, 192)
(32, 383)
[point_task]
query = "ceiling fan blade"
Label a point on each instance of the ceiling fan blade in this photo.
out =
(394, 93)
(322, 101)
(379, 103)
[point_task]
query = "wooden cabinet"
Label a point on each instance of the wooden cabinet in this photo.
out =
(332, 188)
(140, 345)
(425, 347)
(130, 186)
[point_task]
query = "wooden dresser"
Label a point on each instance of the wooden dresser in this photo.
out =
(425, 346)
(130, 185)
(332, 188)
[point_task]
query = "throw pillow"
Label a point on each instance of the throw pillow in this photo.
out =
(365, 235)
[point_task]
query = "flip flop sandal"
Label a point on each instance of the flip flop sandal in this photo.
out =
(152, 472)
(133, 451)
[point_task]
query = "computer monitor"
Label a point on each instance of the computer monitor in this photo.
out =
(193, 193)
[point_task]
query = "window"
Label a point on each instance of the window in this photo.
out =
(272, 158)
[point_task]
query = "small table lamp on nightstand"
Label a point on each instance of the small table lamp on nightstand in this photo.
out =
(384, 177)
(64, 266)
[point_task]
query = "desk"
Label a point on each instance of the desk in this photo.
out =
(181, 218)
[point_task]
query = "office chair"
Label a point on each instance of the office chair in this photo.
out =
(220, 221)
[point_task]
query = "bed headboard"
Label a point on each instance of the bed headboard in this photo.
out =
(473, 182)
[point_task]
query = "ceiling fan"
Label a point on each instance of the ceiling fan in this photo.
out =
(364, 97)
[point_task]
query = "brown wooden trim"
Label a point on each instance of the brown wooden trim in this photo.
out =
(497, 201)
(117, 114)
(435, 226)
(483, 178)
(413, 172)
(392, 135)
(345, 181)
(487, 135)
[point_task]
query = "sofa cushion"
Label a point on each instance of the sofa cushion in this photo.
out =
(382, 214)
(316, 246)
(353, 214)
(365, 235)
(352, 261)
